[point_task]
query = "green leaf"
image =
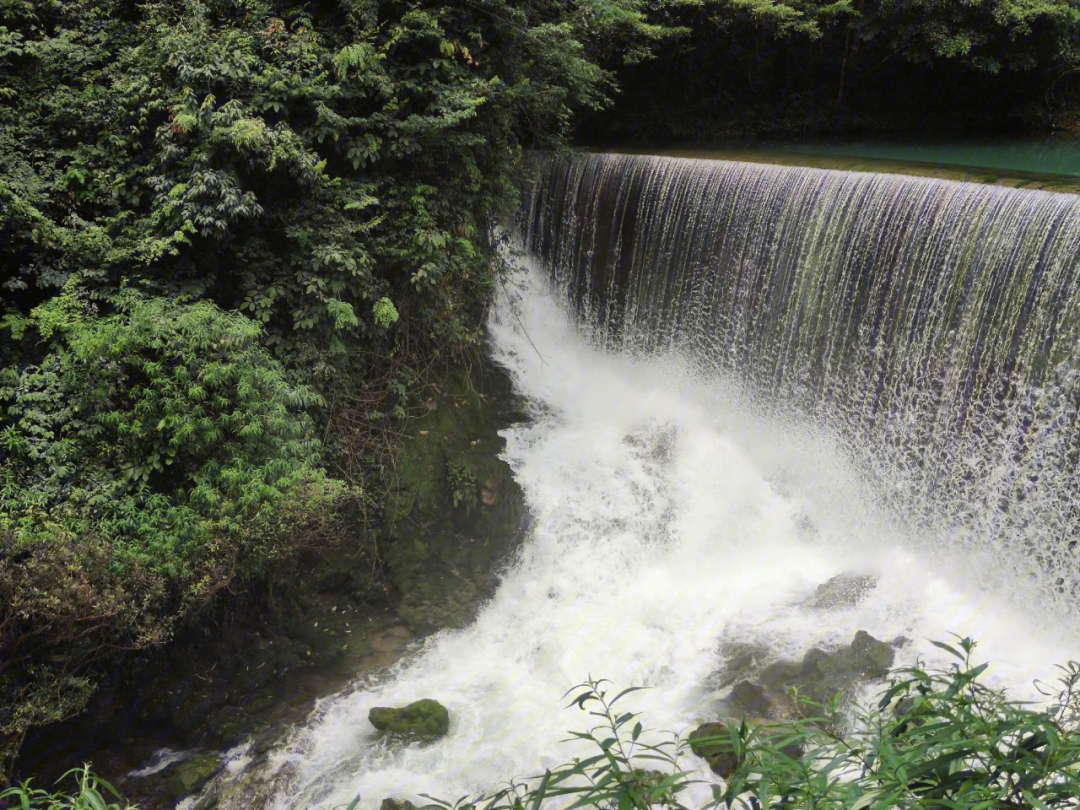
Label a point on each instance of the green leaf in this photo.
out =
(952, 650)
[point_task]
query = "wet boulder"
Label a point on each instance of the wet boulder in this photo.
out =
(710, 742)
(713, 742)
(752, 699)
(192, 774)
(423, 721)
(741, 660)
(764, 693)
(823, 673)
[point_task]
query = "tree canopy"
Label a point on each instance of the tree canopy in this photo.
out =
(296, 162)
(877, 68)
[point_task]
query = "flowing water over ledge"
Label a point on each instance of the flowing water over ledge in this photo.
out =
(1026, 165)
(744, 380)
(931, 326)
(1037, 157)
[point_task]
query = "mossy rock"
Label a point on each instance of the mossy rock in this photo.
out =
(192, 774)
(823, 673)
(752, 699)
(741, 660)
(454, 513)
(424, 720)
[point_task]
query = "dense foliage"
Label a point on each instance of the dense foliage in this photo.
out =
(297, 162)
(149, 457)
(937, 738)
(879, 68)
(212, 213)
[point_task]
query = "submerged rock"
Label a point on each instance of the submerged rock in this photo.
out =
(424, 720)
(741, 660)
(396, 804)
(823, 673)
(189, 776)
(819, 676)
(843, 590)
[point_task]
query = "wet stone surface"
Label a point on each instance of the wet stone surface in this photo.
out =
(760, 688)
(763, 694)
(423, 720)
(190, 775)
(842, 591)
(455, 513)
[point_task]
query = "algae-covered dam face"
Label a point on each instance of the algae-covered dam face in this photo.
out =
(770, 407)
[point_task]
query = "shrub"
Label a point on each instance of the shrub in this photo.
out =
(92, 794)
(150, 456)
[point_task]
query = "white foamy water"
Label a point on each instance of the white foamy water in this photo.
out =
(668, 521)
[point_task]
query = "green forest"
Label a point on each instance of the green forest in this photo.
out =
(237, 236)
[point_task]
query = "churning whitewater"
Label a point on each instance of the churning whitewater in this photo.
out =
(669, 518)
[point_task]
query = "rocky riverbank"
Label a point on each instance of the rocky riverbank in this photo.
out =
(163, 722)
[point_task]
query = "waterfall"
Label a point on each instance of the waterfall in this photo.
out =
(933, 326)
(742, 380)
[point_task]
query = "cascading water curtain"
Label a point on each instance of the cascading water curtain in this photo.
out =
(933, 326)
